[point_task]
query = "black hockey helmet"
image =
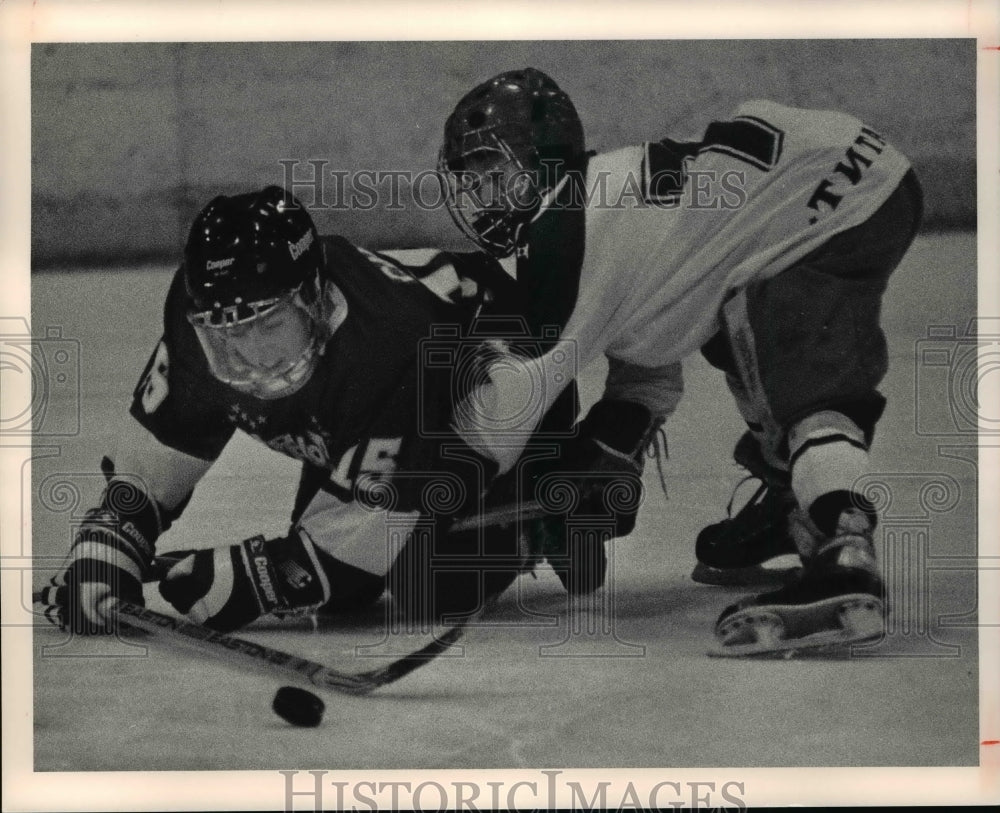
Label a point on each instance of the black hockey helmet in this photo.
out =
(507, 144)
(248, 249)
(256, 299)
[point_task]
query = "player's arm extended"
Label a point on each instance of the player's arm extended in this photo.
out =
(177, 426)
(178, 421)
(166, 475)
(147, 486)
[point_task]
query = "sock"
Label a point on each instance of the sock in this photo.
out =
(828, 455)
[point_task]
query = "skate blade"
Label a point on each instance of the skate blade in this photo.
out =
(751, 576)
(825, 627)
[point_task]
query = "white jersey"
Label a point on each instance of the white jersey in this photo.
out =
(674, 228)
(657, 270)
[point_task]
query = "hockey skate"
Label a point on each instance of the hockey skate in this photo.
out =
(837, 601)
(751, 547)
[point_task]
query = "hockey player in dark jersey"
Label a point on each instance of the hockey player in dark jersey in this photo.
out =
(317, 349)
(766, 242)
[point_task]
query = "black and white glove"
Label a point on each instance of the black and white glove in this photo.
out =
(227, 588)
(111, 555)
(604, 464)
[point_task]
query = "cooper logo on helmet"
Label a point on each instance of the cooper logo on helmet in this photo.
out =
(298, 248)
(213, 265)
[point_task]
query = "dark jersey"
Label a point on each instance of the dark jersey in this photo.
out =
(379, 403)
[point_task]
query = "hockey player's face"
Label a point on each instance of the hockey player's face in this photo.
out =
(271, 343)
(489, 193)
(495, 181)
(267, 356)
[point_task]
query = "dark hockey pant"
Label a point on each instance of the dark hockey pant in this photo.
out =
(809, 340)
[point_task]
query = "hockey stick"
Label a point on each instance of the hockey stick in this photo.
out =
(497, 516)
(503, 515)
(172, 630)
(240, 652)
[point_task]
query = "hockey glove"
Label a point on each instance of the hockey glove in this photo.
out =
(227, 588)
(604, 463)
(111, 555)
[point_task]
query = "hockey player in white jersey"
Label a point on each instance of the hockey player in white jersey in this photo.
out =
(765, 243)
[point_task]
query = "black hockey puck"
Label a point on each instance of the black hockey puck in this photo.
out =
(298, 706)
